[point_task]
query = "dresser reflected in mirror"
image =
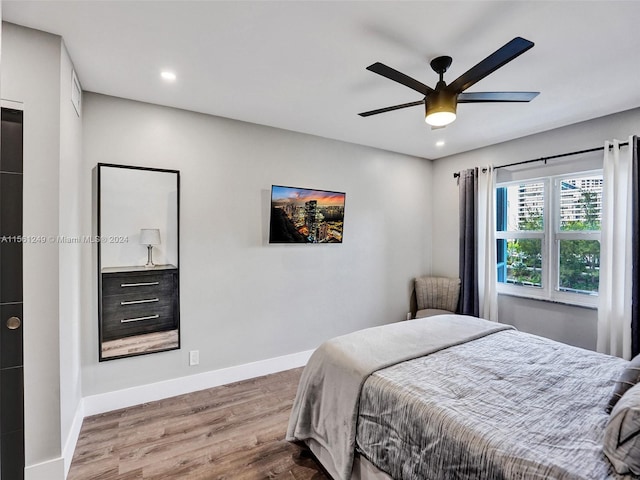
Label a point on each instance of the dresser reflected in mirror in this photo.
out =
(138, 260)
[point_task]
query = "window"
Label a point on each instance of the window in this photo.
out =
(548, 237)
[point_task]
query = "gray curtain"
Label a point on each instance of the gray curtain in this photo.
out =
(468, 199)
(635, 242)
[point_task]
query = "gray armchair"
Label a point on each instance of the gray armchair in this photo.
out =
(436, 295)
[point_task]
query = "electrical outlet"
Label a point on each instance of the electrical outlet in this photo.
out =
(194, 357)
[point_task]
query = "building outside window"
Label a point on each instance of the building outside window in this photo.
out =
(548, 237)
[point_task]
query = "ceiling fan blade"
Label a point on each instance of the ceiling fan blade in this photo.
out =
(390, 109)
(486, 97)
(396, 76)
(497, 59)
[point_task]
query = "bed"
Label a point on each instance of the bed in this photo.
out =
(455, 397)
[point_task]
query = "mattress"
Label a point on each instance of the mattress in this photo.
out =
(506, 406)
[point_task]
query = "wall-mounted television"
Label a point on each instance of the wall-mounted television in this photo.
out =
(302, 215)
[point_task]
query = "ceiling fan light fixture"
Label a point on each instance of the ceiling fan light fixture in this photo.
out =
(440, 119)
(441, 109)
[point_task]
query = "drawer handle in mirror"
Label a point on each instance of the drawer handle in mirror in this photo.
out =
(141, 284)
(135, 302)
(13, 323)
(138, 319)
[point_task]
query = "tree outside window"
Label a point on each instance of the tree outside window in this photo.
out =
(548, 231)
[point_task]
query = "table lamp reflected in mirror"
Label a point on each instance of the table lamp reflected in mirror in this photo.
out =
(149, 237)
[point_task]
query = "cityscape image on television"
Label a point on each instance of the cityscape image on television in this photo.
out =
(301, 215)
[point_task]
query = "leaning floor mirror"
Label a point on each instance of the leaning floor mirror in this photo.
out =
(138, 260)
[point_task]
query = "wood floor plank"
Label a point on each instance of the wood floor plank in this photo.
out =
(148, 342)
(231, 432)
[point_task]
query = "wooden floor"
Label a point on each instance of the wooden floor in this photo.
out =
(148, 342)
(232, 432)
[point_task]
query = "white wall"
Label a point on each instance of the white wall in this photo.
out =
(70, 257)
(568, 324)
(31, 74)
(243, 300)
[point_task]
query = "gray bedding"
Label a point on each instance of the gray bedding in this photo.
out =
(506, 406)
(326, 405)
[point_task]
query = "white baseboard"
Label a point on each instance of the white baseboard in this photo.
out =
(105, 402)
(58, 468)
(49, 470)
(72, 440)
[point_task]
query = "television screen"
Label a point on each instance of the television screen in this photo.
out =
(301, 215)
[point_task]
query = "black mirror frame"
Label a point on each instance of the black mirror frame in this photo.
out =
(98, 234)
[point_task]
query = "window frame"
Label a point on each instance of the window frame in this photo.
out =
(551, 235)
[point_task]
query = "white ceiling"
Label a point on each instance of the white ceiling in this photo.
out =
(300, 65)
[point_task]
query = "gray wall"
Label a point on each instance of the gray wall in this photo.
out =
(243, 300)
(31, 74)
(564, 323)
(573, 325)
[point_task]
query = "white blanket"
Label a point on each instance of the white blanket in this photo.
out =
(326, 406)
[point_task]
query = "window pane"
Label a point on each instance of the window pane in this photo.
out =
(520, 261)
(579, 266)
(580, 203)
(524, 207)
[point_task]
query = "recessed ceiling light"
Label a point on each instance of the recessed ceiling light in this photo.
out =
(168, 76)
(440, 143)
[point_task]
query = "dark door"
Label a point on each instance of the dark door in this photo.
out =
(11, 372)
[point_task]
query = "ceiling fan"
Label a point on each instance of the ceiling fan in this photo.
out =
(441, 102)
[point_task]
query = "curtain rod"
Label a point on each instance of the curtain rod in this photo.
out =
(544, 159)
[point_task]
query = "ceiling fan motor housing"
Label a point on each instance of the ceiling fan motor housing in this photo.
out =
(441, 101)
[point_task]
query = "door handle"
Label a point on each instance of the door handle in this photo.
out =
(14, 323)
